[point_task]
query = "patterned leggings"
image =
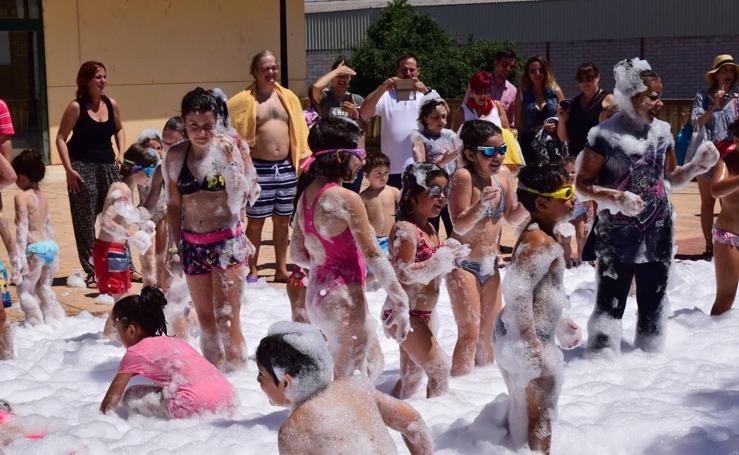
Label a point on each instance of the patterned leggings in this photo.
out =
(88, 203)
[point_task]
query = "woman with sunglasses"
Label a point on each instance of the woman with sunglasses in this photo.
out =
(420, 260)
(583, 111)
(332, 238)
(537, 100)
(482, 194)
(628, 167)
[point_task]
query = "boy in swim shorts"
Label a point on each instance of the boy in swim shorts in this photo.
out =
(35, 237)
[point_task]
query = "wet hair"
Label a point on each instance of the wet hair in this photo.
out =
(429, 107)
(85, 74)
(648, 74)
(145, 310)
(257, 58)
(374, 160)
(199, 100)
(506, 52)
(274, 352)
(587, 68)
(405, 57)
(329, 133)
(175, 124)
(476, 132)
(411, 188)
(137, 154)
(527, 84)
(544, 177)
(31, 164)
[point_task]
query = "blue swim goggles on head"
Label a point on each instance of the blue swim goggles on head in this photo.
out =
(148, 170)
(490, 151)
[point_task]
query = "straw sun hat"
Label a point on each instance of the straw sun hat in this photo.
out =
(718, 62)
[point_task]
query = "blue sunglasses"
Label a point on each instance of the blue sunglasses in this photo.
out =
(490, 151)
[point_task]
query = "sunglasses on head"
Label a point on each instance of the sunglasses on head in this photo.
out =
(435, 191)
(490, 151)
(565, 193)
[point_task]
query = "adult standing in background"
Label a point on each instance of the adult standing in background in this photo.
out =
(501, 89)
(584, 110)
(88, 158)
(330, 97)
(6, 148)
(270, 118)
(714, 109)
(399, 116)
(537, 101)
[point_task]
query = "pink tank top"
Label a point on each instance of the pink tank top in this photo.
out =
(344, 261)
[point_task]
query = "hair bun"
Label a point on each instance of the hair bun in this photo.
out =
(153, 295)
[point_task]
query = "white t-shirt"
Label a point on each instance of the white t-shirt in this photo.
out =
(399, 120)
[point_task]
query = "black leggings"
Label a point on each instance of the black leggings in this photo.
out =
(651, 286)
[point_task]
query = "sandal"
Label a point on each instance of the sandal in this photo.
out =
(136, 277)
(90, 282)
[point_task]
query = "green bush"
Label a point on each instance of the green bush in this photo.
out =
(445, 64)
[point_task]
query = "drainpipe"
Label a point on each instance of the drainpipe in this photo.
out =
(283, 44)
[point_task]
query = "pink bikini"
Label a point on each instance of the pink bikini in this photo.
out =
(344, 263)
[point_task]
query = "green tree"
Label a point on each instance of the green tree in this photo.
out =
(445, 64)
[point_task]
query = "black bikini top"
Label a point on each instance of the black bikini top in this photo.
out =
(188, 184)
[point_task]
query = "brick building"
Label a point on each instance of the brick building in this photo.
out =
(680, 38)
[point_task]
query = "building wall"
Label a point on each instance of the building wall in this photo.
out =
(681, 61)
(156, 51)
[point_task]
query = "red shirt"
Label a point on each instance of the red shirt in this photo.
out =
(6, 123)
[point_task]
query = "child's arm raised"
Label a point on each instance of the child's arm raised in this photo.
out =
(723, 183)
(115, 392)
(403, 418)
(404, 242)
(705, 157)
(355, 215)
(464, 214)
(614, 201)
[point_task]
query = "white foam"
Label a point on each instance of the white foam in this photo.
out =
(75, 280)
(104, 299)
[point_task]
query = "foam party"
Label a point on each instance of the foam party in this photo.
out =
(301, 269)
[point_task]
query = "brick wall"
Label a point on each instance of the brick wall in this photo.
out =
(681, 62)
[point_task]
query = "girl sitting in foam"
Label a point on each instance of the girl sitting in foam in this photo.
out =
(186, 383)
(629, 168)
(332, 237)
(482, 196)
(420, 261)
(347, 415)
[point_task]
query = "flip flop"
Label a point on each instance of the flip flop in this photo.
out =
(90, 282)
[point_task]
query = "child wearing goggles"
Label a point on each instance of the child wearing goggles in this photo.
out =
(526, 353)
(483, 195)
(420, 260)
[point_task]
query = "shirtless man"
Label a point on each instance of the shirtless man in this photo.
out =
(35, 242)
(270, 118)
(347, 415)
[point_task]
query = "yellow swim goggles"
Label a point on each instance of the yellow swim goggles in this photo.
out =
(564, 193)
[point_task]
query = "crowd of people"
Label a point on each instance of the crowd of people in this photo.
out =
(598, 167)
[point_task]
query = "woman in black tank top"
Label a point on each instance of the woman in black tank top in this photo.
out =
(88, 157)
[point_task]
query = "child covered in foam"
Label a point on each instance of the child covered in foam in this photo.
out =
(346, 415)
(578, 225)
(332, 238)
(482, 196)
(186, 383)
(534, 295)
(421, 260)
(121, 222)
(37, 250)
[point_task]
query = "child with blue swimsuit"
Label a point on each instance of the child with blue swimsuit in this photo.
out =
(35, 237)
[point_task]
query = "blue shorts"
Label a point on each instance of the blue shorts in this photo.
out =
(382, 241)
(278, 182)
(46, 250)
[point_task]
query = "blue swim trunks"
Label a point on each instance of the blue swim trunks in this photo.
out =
(382, 241)
(46, 250)
(4, 285)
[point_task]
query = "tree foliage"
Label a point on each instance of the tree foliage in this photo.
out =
(445, 64)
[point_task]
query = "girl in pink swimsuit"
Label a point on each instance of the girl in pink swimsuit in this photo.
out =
(420, 260)
(332, 238)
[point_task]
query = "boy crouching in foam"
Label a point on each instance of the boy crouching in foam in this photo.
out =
(534, 296)
(347, 415)
(121, 222)
(37, 250)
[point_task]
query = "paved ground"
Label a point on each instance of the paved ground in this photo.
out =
(686, 201)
